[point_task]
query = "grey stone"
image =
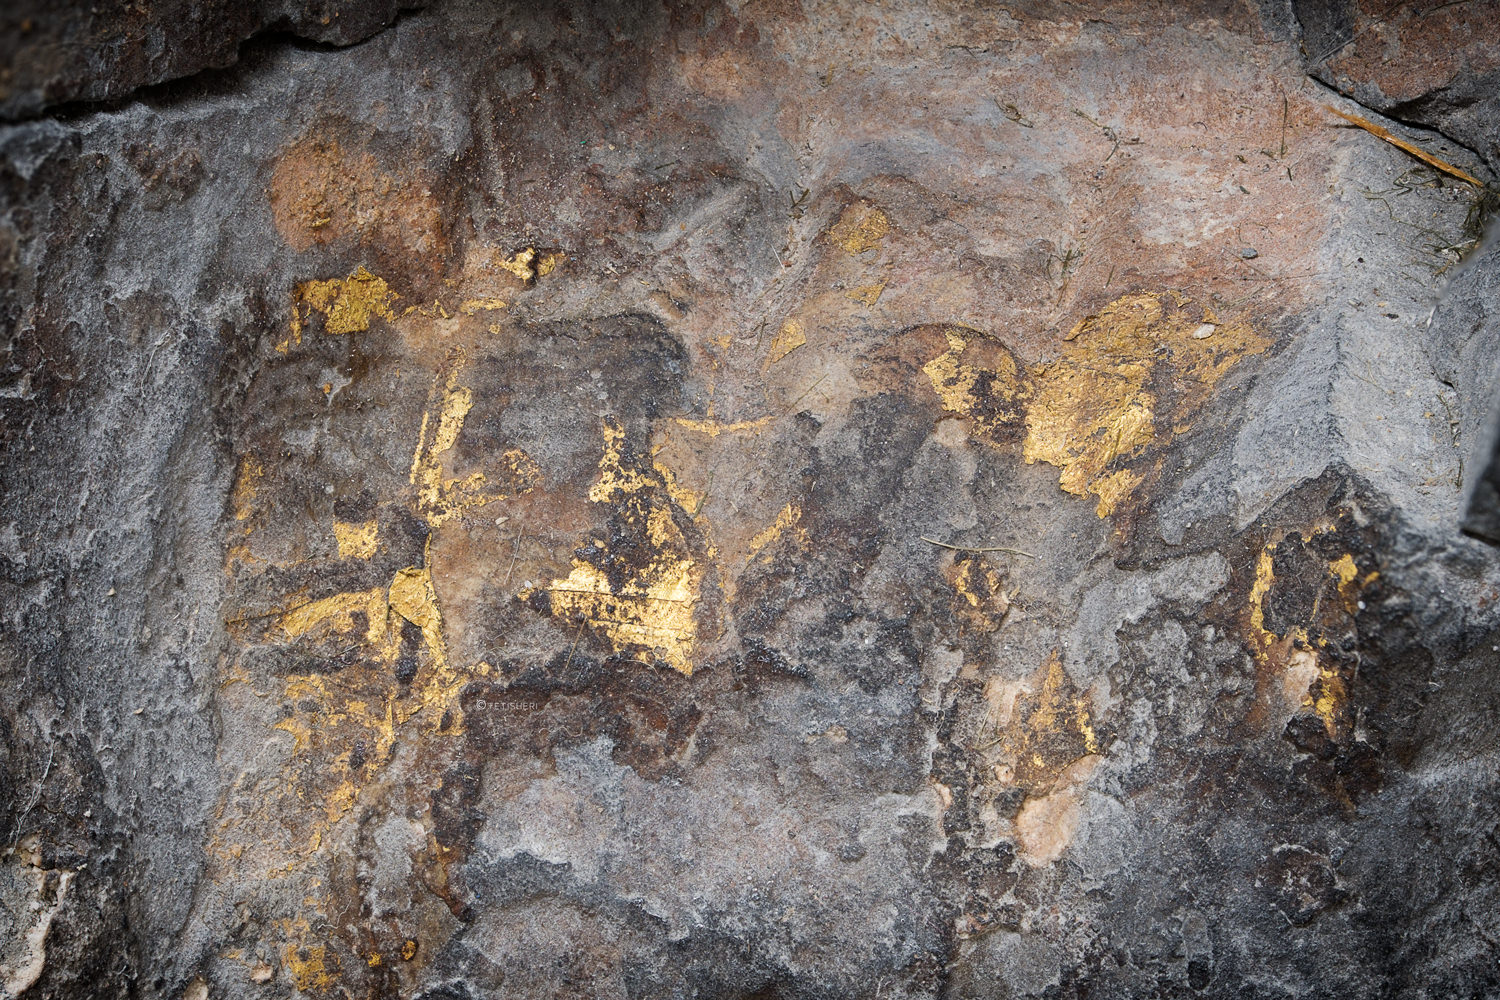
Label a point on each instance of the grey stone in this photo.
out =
(836, 569)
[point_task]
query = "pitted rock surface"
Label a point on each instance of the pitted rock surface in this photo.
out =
(746, 500)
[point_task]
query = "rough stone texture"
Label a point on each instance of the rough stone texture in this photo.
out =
(1466, 363)
(1433, 63)
(754, 500)
(1482, 518)
(58, 53)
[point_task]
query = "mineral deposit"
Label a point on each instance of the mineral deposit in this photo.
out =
(748, 499)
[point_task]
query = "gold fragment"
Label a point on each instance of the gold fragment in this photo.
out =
(785, 520)
(714, 428)
(791, 336)
(860, 227)
(356, 541)
(1097, 406)
(652, 607)
(440, 497)
(348, 305)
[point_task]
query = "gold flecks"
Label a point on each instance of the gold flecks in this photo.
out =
(413, 598)
(1086, 730)
(657, 615)
(714, 428)
(785, 521)
(338, 803)
(1084, 417)
(1151, 328)
(339, 611)
(1344, 569)
(689, 499)
(652, 607)
(867, 295)
(977, 378)
(615, 479)
(331, 710)
(521, 265)
(356, 540)
(530, 263)
(308, 967)
(1265, 576)
(791, 336)
(342, 717)
(1097, 406)
(1332, 694)
(1046, 728)
(320, 730)
(618, 479)
(1113, 487)
(347, 305)
(1093, 407)
(300, 732)
(1290, 655)
(953, 383)
(246, 485)
(981, 602)
(860, 227)
(1058, 712)
(1309, 676)
(440, 498)
(471, 306)
(358, 704)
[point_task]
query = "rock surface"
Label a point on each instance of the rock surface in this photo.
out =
(1432, 63)
(70, 53)
(758, 500)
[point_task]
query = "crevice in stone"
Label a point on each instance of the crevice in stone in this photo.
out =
(1375, 113)
(252, 50)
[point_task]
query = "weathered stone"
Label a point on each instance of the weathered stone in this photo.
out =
(1432, 64)
(57, 53)
(743, 500)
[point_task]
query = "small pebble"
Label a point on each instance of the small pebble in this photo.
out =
(1249, 253)
(1204, 331)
